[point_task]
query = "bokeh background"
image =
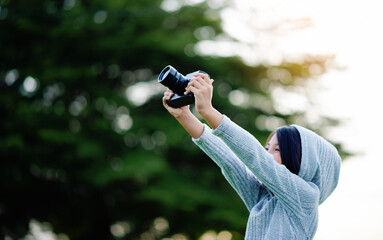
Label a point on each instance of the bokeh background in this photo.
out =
(88, 152)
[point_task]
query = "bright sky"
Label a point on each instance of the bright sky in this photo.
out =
(352, 31)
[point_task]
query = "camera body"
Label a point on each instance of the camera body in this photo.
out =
(177, 82)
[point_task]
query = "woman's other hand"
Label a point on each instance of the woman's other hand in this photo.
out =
(202, 88)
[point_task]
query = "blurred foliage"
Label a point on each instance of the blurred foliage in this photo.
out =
(80, 153)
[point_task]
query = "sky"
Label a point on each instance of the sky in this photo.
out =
(351, 30)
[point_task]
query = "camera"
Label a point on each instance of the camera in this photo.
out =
(177, 82)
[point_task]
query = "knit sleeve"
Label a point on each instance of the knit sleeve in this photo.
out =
(236, 173)
(296, 194)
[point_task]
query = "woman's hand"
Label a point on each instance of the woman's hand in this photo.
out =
(202, 88)
(176, 112)
(184, 116)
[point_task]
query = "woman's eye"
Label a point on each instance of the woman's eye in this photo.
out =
(267, 149)
(277, 149)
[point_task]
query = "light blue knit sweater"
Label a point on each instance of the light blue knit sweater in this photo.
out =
(282, 205)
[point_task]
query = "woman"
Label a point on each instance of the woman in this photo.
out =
(281, 186)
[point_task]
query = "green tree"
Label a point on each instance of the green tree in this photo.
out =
(85, 142)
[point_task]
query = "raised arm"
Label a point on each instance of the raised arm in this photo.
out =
(202, 87)
(235, 172)
(297, 195)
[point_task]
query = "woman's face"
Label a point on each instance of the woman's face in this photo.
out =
(272, 147)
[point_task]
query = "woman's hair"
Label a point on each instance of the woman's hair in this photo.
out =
(289, 142)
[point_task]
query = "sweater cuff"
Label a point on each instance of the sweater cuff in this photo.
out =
(220, 130)
(205, 133)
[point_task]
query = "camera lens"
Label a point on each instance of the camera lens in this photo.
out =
(164, 74)
(172, 79)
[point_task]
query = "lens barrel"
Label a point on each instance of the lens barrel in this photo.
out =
(172, 79)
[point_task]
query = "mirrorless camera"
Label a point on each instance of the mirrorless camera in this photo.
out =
(177, 82)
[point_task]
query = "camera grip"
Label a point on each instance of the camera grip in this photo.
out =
(177, 101)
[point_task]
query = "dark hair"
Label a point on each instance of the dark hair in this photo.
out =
(289, 142)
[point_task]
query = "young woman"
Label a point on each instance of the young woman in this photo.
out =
(282, 185)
